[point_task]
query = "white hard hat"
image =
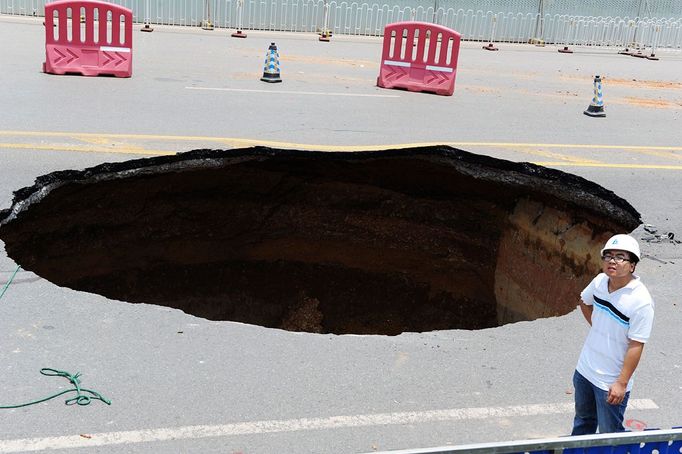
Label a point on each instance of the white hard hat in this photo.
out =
(623, 243)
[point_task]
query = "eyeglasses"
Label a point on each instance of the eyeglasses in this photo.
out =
(616, 258)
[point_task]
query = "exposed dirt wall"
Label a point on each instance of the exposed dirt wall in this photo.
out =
(545, 258)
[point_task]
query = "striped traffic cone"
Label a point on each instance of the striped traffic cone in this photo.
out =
(596, 107)
(271, 67)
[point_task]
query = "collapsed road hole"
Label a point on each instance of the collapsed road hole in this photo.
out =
(369, 243)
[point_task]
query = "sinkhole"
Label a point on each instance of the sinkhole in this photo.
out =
(379, 242)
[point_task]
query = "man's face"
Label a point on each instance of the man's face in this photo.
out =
(616, 263)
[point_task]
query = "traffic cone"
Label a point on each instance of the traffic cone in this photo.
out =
(271, 66)
(596, 107)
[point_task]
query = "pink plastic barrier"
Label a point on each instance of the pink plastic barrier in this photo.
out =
(419, 56)
(90, 38)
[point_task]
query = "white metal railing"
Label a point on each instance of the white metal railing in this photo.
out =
(356, 17)
(657, 441)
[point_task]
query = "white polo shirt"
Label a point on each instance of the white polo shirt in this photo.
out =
(627, 313)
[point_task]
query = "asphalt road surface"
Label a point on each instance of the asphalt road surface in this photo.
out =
(183, 384)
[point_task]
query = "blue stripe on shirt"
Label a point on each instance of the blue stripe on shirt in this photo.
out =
(612, 311)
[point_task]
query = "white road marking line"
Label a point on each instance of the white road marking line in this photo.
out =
(291, 425)
(285, 92)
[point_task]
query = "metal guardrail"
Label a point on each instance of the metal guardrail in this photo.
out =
(574, 30)
(369, 19)
(660, 441)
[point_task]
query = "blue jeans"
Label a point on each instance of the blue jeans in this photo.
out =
(592, 410)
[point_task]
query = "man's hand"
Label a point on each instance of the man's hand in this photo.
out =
(616, 393)
(632, 356)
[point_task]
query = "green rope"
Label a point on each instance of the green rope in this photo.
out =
(79, 399)
(4, 289)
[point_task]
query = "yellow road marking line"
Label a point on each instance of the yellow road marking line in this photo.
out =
(97, 138)
(662, 154)
(550, 154)
(139, 151)
(610, 166)
(84, 149)
(320, 147)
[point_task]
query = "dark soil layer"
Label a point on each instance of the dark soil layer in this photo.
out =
(368, 243)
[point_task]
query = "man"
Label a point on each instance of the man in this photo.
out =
(620, 311)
